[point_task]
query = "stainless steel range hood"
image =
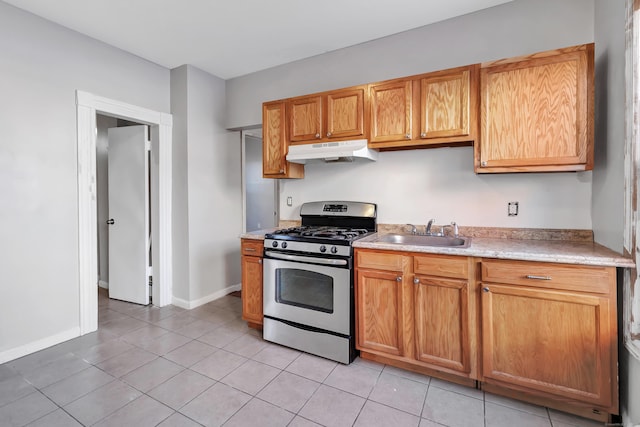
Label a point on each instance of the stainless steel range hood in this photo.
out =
(343, 151)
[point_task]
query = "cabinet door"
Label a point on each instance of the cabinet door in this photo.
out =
(305, 119)
(252, 289)
(445, 104)
(442, 322)
(548, 341)
(391, 111)
(274, 144)
(379, 311)
(345, 113)
(537, 113)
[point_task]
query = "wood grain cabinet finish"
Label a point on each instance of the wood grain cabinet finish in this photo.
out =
(379, 304)
(439, 108)
(422, 321)
(305, 117)
(274, 144)
(327, 116)
(391, 111)
(448, 105)
(252, 281)
(537, 112)
(551, 341)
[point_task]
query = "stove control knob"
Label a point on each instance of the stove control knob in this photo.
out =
(323, 249)
(334, 250)
(284, 245)
(274, 244)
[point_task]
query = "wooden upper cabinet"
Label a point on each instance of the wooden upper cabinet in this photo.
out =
(537, 112)
(305, 119)
(391, 111)
(435, 108)
(345, 113)
(338, 114)
(274, 144)
(448, 104)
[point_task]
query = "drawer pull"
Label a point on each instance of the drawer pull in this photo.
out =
(485, 290)
(250, 249)
(260, 261)
(399, 279)
(416, 281)
(534, 277)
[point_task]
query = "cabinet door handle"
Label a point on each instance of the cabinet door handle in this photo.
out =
(483, 164)
(281, 170)
(260, 261)
(328, 134)
(399, 279)
(407, 136)
(485, 289)
(423, 135)
(416, 280)
(317, 136)
(534, 277)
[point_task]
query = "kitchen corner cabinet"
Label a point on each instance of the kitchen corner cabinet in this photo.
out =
(550, 331)
(417, 312)
(274, 145)
(327, 116)
(537, 112)
(252, 281)
(438, 108)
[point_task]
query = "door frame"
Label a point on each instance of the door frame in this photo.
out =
(87, 106)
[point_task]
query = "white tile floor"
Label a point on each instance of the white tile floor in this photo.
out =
(148, 366)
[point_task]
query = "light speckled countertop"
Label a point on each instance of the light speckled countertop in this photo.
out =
(569, 252)
(562, 251)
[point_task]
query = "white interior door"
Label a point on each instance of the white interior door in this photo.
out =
(129, 214)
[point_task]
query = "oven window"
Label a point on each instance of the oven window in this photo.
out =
(306, 289)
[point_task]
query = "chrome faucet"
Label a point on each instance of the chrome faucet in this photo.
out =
(414, 230)
(455, 229)
(427, 230)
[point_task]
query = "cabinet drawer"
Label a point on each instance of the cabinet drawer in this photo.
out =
(545, 275)
(443, 266)
(379, 261)
(252, 247)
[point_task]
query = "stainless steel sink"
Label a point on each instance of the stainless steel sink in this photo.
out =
(423, 240)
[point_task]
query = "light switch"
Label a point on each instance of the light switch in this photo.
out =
(289, 201)
(512, 209)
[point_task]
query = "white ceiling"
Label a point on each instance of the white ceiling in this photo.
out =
(230, 38)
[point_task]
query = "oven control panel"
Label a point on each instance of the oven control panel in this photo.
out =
(314, 248)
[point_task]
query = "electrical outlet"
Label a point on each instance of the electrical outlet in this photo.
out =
(512, 209)
(289, 201)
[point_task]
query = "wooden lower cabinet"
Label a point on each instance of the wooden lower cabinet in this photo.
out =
(542, 336)
(252, 282)
(424, 322)
(540, 332)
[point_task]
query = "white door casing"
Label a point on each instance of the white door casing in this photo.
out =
(87, 106)
(129, 214)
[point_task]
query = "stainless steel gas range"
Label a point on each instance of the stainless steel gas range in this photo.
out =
(308, 279)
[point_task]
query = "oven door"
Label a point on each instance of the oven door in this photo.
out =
(308, 294)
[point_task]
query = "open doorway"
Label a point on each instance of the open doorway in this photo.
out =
(260, 195)
(126, 185)
(160, 124)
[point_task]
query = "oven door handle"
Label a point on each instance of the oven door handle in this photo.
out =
(300, 258)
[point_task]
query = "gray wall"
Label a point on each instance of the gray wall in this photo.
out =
(414, 185)
(42, 66)
(207, 188)
(180, 182)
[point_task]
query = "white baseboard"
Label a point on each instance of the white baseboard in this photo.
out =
(103, 284)
(38, 345)
(182, 303)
